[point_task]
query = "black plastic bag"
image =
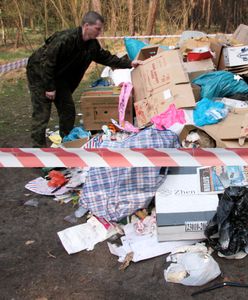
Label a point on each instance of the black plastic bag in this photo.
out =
(230, 222)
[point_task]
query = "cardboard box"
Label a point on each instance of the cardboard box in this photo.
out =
(78, 143)
(197, 68)
(160, 81)
(231, 132)
(182, 213)
(241, 34)
(100, 106)
(235, 56)
(222, 63)
(147, 52)
(216, 47)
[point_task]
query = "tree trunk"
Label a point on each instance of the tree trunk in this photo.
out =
(131, 17)
(45, 16)
(60, 13)
(19, 25)
(96, 4)
(113, 22)
(153, 5)
(209, 14)
(2, 29)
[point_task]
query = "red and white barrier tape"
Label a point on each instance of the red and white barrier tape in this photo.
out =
(23, 62)
(146, 36)
(13, 65)
(51, 157)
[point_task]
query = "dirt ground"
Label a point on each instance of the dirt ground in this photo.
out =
(43, 270)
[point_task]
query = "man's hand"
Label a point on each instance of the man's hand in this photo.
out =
(136, 63)
(51, 95)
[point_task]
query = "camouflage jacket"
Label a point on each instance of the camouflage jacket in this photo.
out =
(65, 57)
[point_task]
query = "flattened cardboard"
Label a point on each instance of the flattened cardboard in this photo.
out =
(196, 91)
(217, 47)
(160, 81)
(78, 143)
(158, 102)
(197, 68)
(232, 132)
(241, 34)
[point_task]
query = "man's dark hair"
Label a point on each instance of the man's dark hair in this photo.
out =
(91, 17)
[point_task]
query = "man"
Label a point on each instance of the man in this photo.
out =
(55, 70)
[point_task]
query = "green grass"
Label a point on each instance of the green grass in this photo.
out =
(13, 55)
(16, 110)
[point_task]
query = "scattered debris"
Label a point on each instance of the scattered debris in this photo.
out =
(32, 202)
(30, 242)
(127, 261)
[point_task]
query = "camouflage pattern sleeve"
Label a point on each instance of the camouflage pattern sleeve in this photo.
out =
(55, 48)
(49, 61)
(104, 57)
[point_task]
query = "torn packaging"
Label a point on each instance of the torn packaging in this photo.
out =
(229, 133)
(159, 82)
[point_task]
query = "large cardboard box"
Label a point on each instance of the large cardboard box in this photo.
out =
(197, 68)
(100, 105)
(181, 212)
(148, 51)
(160, 81)
(224, 56)
(235, 56)
(231, 132)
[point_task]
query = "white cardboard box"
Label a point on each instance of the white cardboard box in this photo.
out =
(182, 213)
(235, 56)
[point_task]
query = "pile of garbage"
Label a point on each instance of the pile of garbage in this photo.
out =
(198, 90)
(192, 96)
(171, 214)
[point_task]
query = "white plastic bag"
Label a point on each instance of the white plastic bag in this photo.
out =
(192, 268)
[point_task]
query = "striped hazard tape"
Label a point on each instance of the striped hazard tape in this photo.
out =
(13, 65)
(50, 157)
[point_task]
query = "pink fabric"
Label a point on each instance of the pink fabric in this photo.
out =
(169, 117)
(123, 100)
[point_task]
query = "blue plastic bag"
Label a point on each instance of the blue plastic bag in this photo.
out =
(76, 133)
(133, 47)
(220, 84)
(209, 112)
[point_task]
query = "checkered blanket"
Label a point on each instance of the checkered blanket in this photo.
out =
(147, 138)
(114, 193)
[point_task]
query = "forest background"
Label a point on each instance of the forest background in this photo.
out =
(28, 22)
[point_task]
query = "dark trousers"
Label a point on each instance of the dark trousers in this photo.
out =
(42, 111)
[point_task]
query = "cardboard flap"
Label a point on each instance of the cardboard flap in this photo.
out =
(241, 34)
(233, 127)
(244, 130)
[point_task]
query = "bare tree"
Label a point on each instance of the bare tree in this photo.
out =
(153, 5)
(96, 5)
(131, 16)
(2, 28)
